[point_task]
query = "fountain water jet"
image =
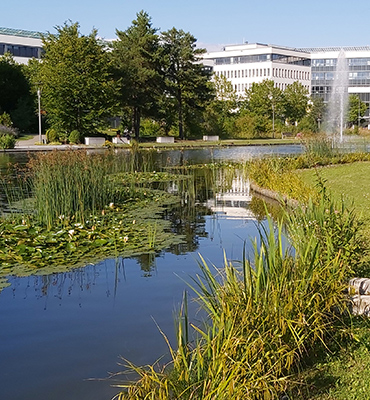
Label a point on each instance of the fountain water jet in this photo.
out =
(338, 102)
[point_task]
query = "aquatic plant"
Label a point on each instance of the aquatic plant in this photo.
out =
(265, 318)
(69, 183)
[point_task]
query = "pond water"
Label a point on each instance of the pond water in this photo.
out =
(62, 334)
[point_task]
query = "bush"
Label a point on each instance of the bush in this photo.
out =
(5, 120)
(74, 137)
(7, 141)
(52, 136)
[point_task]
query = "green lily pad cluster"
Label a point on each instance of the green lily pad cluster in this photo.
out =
(133, 228)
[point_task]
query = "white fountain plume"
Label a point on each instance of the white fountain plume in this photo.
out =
(338, 102)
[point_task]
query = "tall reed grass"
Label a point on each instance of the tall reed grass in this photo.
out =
(69, 184)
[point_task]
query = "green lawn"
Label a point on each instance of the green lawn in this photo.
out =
(346, 375)
(352, 181)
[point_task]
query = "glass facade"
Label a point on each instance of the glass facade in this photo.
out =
(281, 58)
(323, 71)
(19, 51)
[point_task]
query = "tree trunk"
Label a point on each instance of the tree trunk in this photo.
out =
(181, 118)
(136, 122)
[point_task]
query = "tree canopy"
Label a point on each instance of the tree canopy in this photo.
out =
(137, 68)
(76, 85)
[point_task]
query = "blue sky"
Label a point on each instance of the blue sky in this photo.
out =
(294, 23)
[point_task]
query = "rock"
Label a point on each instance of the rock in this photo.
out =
(359, 286)
(361, 305)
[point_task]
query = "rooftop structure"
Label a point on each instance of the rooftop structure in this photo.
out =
(22, 44)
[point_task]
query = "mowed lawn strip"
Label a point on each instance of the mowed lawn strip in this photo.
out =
(346, 375)
(352, 181)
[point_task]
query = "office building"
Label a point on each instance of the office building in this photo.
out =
(23, 45)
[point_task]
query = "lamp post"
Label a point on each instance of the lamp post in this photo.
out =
(271, 97)
(39, 103)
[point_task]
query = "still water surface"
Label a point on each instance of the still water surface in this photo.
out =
(62, 334)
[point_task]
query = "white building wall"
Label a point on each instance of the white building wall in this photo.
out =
(243, 75)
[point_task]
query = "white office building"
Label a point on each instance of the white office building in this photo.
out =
(23, 45)
(247, 63)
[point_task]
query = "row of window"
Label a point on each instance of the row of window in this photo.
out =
(281, 58)
(332, 62)
(329, 76)
(20, 51)
(265, 72)
(241, 87)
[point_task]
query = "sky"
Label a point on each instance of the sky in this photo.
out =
(292, 23)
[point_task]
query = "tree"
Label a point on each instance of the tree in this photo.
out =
(316, 110)
(16, 98)
(137, 67)
(296, 102)
(264, 101)
(220, 114)
(187, 81)
(356, 109)
(77, 88)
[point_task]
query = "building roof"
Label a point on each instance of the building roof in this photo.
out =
(20, 32)
(335, 48)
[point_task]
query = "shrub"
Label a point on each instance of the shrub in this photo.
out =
(74, 137)
(5, 120)
(7, 141)
(52, 136)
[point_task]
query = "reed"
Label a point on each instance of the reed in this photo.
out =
(264, 317)
(69, 184)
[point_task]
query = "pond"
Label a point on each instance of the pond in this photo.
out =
(63, 334)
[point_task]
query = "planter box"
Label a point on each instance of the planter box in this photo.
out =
(121, 140)
(211, 138)
(94, 141)
(165, 139)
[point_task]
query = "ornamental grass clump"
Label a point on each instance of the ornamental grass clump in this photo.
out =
(265, 318)
(69, 184)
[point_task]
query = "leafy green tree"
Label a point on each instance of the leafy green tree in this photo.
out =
(296, 102)
(187, 82)
(136, 63)
(221, 112)
(265, 102)
(77, 87)
(312, 121)
(356, 109)
(16, 98)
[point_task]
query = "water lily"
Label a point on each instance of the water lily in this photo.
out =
(125, 239)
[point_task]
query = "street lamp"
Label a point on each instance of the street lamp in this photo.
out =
(39, 103)
(271, 97)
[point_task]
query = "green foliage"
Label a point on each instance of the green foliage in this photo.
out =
(77, 88)
(137, 69)
(7, 141)
(220, 114)
(74, 137)
(296, 102)
(187, 82)
(16, 98)
(278, 175)
(69, 184)
(5, 120)
(150, 127)
(52, 136)
(356, 110)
